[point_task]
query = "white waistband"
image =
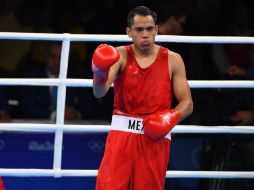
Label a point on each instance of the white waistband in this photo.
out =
(129, 124)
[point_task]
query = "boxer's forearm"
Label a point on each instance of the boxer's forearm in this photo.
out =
(99, 90)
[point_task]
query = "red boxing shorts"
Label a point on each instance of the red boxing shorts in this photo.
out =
(132, 161)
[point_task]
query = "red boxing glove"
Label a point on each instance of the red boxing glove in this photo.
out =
(104, 57)
(158, 125)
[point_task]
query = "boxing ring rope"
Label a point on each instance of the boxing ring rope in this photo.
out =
(62, 82)
(124, 38)
(180, 129)
(88, 83)
(93, 173)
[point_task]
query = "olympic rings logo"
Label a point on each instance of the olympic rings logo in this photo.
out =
(2, 144)
(96, 146)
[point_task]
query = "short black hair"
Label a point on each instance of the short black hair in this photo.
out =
(140, 10)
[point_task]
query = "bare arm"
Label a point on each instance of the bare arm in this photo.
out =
(180, 85)
(100, 89)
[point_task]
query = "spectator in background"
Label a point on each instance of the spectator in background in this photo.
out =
(225, 56)
(244, 114)
(12, 51)
(231, 62)
(40, 102)
(244, 73)
(171, 20)
(237, 54)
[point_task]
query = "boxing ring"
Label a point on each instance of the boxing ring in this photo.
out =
(59, 127)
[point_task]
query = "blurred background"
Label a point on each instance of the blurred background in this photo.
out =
(40, 59)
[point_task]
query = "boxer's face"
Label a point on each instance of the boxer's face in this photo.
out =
(143, 31)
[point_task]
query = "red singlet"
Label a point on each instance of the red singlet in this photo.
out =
(143, 91)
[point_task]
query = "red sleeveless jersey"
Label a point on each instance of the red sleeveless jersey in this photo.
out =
(138, 91)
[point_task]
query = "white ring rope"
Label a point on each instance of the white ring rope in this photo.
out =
(180, 129)
(93, 173)
(88, 83)
(124, 38)
(62, 82)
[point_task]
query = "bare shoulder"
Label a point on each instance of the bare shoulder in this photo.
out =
(174, 56)
(175, 62)
(123, 54)
(121, 50)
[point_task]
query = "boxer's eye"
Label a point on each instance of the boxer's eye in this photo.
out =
(141, 29)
